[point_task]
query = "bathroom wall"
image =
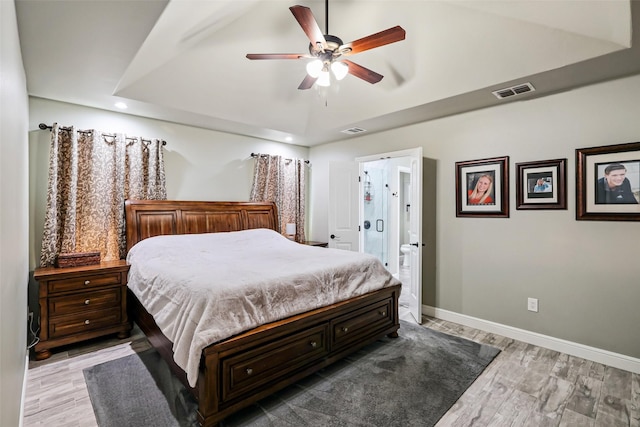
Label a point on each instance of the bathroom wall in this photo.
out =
(398, 216)
(405, 201)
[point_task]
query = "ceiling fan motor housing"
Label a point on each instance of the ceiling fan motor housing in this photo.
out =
(333, 43)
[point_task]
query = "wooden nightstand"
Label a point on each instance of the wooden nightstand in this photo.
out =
(312, 243)
(79, 303)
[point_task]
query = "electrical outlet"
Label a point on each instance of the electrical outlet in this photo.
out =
(532, 304)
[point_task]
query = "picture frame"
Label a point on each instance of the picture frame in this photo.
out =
(608, 183)
(541, 184)
(482, 188)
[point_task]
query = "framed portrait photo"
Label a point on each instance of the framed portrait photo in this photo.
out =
(482, 188)
(608, 183)
(541, 184)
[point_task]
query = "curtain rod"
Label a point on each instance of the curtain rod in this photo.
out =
(44, 126)
(265, 155)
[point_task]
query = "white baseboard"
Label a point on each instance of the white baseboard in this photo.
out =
(24, 390)
(605, 357)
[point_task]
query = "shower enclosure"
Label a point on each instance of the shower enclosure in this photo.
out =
(376, 193)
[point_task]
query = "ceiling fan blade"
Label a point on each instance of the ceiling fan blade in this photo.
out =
(382, 38)
(363, 73)
(276, 56)
(309, 25)
(307, 82)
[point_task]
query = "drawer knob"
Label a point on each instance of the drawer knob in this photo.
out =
(313, 344)
(249, 371)
(383, 313)
(86, 322)
(345, 329)
(86, 302)
(86, 282)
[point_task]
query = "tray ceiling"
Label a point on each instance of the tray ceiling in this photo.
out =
(184, 61)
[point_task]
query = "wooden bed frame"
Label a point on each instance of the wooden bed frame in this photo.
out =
(243, 369)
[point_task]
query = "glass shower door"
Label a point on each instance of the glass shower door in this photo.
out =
(375, 190)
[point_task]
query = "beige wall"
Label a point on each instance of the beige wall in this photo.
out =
(13, 218)
(200, 164)
(484, 268)
(585, 274)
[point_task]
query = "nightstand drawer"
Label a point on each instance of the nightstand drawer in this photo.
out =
(85, 282)
(87, 321)
(95, 300)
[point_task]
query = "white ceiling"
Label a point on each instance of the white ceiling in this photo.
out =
(184, 60)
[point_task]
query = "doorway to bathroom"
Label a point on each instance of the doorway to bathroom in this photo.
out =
(390, 204)
(389, 194)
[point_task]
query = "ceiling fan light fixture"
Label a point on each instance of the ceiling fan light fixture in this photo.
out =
(340, 70)
(324, 79)
(314, 68)
(327, 49)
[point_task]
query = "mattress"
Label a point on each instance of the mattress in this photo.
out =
(204, 288)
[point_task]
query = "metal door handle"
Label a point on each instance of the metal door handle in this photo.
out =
(333, 236)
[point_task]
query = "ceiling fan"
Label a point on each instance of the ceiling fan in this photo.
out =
(327, 50)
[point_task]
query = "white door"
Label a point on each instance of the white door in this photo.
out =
(415, 238)
(343, 206)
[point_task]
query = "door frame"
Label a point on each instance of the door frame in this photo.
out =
(415, 287)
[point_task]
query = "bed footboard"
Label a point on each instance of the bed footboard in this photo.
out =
(241, 370)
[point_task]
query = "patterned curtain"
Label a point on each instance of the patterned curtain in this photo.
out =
(91, 174)
(282, 181)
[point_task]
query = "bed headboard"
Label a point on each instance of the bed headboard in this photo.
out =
(148, 218)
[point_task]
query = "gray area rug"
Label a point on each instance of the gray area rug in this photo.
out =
(412, 380)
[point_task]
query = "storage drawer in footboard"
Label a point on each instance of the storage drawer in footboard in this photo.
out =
(247, 372)
(363, 323)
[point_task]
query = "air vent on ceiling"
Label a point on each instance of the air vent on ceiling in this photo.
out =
(513, 91)
(353, 131)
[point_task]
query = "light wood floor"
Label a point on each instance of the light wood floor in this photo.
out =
(525, 385)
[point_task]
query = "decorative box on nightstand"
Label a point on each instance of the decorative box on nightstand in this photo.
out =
(79, 303)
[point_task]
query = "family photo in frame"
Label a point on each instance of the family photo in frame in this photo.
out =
(608, 183)
(482, 188)
(541, 184)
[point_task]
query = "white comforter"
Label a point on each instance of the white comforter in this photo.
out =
(203, 288)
